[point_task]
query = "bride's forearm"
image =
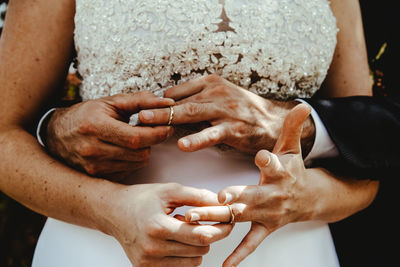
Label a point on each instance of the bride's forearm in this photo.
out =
(340, 198)
(30, 176)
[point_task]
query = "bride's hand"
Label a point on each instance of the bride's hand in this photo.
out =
(238, 117)
(287, 192)
(93, 136)
(138, 218)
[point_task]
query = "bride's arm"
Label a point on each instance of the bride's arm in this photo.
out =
(348, 73)
(35, 51)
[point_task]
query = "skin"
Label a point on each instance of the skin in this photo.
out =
(245, 120)
(38, 40)
(250, 123)
(287, 192)
(93, 136)
(43, 46)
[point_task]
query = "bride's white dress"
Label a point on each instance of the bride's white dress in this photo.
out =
(275, 48)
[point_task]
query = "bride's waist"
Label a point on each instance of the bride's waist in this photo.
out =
(210, 168)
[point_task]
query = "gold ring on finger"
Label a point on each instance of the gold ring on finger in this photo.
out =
(232, 220)
(171, 115)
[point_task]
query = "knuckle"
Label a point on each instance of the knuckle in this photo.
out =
(91, 169)
(192, 109)
(173, 187)
(86, 127)
(197, 261)
(214, 135)
(156, 229)
(279, 196)
(204, 239)
(134, 142)
(204, 194)
(148, 249)
(212, 78)
(87, 151)
(222, 89)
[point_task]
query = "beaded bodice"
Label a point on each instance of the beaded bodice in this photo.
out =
(275, 48)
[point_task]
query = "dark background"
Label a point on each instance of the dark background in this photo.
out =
(20, 227)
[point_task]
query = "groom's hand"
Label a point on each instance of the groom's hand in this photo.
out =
(237, 117)
(94, 135)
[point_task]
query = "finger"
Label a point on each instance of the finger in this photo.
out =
(179, 195)
(208, 137)
(250, 194)
(184, 113)
(132, 103)
(173, 248)
(212, 214)
(270, 166)
(183, 219)
(180, 261)
(248, 245)
(241, 212)
(180, 217)
(290, 137)
(101, 151)
(186, 89)
(191, 234)
(124, 135)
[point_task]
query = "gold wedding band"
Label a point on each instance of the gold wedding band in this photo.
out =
(232, 220)
(171, 115)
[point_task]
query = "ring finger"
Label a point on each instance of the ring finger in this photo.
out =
(185, 113)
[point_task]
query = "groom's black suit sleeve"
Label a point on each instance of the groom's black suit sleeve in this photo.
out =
(366, 131)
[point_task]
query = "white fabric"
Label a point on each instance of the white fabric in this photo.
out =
(275, 48)
(323, 146)
(39, 126)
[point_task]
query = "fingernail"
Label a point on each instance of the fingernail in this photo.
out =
(185, 142)
(194, 217)
(147, 114)
(228, 198)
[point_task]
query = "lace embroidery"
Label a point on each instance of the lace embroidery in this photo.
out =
(275, 48)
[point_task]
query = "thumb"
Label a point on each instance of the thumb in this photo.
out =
(134, 102)
(290, 137)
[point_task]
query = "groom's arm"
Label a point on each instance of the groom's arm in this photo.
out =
(366, 132)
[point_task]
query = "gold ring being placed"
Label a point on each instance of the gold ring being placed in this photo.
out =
(171, 115)
(232, 220)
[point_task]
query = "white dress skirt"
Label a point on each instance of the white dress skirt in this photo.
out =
(306, 244)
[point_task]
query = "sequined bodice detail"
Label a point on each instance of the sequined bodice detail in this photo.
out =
(275, 48)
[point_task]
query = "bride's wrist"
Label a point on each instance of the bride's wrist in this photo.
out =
(104, 205)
